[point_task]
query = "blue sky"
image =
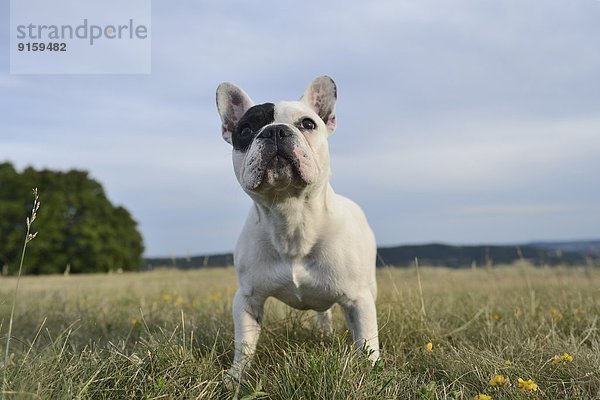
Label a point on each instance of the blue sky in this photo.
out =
(464, 121)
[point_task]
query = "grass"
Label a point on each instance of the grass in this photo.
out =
(169, 335)
(28, 238)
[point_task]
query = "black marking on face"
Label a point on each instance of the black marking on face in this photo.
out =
(251, 122)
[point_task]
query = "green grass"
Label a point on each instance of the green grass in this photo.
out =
(169, 335)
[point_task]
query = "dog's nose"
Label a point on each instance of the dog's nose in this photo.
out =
(276, 132)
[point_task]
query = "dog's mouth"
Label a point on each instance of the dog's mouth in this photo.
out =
(281, 169)
(280, 160)
(277, 170)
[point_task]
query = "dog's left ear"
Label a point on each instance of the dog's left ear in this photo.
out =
(232, 103)
(321, 95)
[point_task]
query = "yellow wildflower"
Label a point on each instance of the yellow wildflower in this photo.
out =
(167, 298)
(482, 396)
(499, 380)
(215, 297)
(555, 314)
(179, 301)
(135, 321)
(429, 346)
(527, 385)
(496, 317)
(565, 358)
(508, 363)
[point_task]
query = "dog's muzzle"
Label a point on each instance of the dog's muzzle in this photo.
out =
(277, 133)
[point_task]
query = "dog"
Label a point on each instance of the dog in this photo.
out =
(302, 243)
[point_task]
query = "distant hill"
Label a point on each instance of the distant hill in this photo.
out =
(462, 256)
(542, 253)
(589, 248)
(212, 260)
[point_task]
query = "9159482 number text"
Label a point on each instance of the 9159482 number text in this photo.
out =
(51, 46)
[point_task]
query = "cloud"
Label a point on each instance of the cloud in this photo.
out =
(492, 155)
(514, 209)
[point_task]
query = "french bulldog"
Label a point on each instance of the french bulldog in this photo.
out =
(302, 243)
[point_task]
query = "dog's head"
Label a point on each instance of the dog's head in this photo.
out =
(279, 148)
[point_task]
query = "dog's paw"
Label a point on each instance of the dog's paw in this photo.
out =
(232, 379)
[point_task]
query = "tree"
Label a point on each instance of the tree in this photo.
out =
(78, 225)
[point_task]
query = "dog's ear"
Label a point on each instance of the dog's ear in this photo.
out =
(232, 103)
(321, 95)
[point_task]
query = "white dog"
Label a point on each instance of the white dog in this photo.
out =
(302, 243)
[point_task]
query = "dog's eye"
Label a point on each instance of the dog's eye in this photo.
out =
(308, 123)
(246, 131)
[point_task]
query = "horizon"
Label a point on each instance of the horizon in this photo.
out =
(527, 243)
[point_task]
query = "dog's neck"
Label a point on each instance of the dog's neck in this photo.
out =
(296, 222)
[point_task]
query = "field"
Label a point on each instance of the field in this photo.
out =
(168, 335)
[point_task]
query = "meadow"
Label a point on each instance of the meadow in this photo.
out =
(168, 334)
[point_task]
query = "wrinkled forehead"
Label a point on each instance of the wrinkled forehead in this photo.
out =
(292, 111)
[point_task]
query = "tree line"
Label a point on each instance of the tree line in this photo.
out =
(80, 230)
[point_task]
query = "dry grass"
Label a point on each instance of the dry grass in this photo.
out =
(168, 334)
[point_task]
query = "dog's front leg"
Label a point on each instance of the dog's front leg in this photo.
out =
(247, 316)
(325, 323)
(361, 318)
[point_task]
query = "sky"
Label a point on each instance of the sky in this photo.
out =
(462, 122)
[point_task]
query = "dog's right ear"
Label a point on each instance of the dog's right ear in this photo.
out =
(232, 103)
(321, 96)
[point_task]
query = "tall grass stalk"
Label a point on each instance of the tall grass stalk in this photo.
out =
(423, 312)
(28, 238)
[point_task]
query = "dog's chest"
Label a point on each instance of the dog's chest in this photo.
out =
(303, 284)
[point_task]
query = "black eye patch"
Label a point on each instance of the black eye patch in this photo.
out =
(255, 118)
